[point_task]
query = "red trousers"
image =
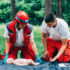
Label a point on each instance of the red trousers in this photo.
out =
(54, 45)
(1, 56)
(27, 52)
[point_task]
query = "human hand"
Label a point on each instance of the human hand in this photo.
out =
(46, 54)
(6, 57)
(38, 59)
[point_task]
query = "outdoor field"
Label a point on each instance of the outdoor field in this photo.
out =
(37, 38)
(38, 13)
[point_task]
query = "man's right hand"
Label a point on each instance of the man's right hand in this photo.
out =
(46, 54)
(6, 57)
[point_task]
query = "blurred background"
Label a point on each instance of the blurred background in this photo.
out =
(37, 10)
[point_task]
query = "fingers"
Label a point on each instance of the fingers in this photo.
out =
(45, 55)
(50, 58)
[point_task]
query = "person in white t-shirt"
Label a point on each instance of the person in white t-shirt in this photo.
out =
(19, 36)
(58, 39)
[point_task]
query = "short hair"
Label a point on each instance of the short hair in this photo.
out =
(50, 18)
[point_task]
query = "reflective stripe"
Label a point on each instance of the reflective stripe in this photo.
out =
(22, 21)
(30, 27)
(28, 35)
(10, 31)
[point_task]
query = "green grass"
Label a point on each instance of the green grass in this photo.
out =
(37, 38)
(2, 39)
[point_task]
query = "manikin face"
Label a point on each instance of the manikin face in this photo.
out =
(52, 24)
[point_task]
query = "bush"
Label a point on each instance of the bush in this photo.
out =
(5, 11)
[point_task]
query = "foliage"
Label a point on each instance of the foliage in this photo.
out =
(5, 11)
(34, 8)
(65, 9)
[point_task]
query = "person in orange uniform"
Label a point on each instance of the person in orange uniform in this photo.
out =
(19, 36)
(1, 56)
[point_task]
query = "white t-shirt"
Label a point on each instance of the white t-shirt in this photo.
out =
(61, 30)
(19, 37)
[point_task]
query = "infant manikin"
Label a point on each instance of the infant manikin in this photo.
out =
(21, 62)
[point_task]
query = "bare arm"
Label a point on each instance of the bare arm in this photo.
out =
(7, 45)
(62, 49)
(44, 40)
(33, 46)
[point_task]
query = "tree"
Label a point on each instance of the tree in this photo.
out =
(13, 8)
(48, 7)
(59, 8)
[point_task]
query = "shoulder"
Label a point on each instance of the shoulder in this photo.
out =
(61, 21)
(30, 27)
(43, 22)
(8, 23)
(7, 27)
(44, 25)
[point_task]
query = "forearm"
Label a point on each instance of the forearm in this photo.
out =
(60, 51)
(34, 47)
(6, 46)
(63, 47)
(44, 43)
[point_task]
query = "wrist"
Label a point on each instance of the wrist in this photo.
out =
(6, 54)
(55, 57)
(45, 50)
(37, 55)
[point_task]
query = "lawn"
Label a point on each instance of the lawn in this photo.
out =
(37, 38)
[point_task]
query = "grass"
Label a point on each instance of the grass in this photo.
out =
(2, 39)
(37, 38)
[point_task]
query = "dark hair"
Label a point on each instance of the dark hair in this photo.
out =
(17, 25)
(50, 18)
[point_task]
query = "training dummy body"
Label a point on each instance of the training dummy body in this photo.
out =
(21, 62)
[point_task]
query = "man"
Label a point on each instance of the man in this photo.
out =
(19, 36)
(58, 39)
